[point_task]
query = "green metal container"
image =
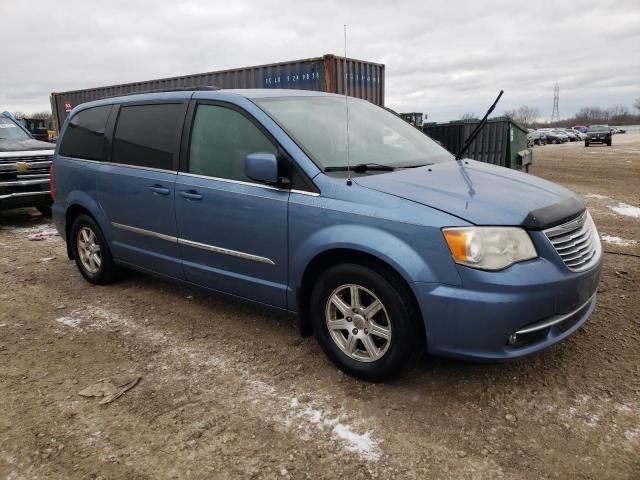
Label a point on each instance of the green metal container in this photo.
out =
(501, 142)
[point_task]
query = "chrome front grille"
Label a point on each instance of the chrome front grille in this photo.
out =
(30, 158)
(576, 242)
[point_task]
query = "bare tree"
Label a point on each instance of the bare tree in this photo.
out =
(469, 116)
(636, 104)
(524, 115)
(20, 115)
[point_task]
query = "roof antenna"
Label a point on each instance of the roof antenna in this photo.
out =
(346, 104)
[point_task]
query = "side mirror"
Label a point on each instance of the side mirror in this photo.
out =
(262, 167)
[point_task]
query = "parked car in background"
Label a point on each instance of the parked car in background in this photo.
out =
(382, 246)
(581, 135)
(573, 136)
(536, 137)
(555, 136)
(599, 134)
(24, 167)
(581, 128)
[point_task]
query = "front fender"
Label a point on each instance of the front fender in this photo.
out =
(391, 249)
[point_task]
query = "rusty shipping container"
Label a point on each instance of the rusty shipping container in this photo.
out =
(329, 73)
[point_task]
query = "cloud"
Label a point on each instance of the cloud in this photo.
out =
(441, 58)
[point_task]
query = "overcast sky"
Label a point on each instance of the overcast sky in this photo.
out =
(442, 58)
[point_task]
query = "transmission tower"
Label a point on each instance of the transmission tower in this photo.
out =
(555, 114)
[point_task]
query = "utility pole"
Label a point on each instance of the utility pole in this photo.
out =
(555, 114)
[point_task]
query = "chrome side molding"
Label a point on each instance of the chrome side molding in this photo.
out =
(146, 233)
(191, 243)
(226, 251)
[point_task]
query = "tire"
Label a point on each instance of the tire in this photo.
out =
(555, 141)
(398, 318)
(586, 144)
(609, 142)
(86, 231)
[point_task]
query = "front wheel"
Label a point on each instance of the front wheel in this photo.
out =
(586, 144)
(91, 251)
(366, 323)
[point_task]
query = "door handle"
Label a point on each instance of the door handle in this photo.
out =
(159, 190)
(190, 195)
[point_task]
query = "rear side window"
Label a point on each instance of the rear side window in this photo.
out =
(84, 136)
(221, 138)
(147, 135)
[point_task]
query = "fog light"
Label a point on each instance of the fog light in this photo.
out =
(513, 338)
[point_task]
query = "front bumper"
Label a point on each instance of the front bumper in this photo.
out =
(17, 193)
(540, 301)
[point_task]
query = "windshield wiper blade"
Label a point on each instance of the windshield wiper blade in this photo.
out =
(360, 167)
(416, 165)
(479, 127)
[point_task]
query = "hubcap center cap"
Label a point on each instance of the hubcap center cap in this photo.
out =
(359, 322)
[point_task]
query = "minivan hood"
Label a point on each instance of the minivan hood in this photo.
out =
(24, 145)
(481, 193)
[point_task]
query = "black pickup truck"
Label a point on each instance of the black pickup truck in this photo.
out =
(24, 167)
(598, 134)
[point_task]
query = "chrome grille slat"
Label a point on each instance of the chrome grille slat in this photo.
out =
(573, 244)
(576, 242)
(578, 253)
(567, 238)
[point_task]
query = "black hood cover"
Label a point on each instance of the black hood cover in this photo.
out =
(555, 214)
(24, 145)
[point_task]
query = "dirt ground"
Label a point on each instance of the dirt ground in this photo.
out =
(229, 391)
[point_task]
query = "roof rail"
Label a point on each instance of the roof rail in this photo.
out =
(163, 90)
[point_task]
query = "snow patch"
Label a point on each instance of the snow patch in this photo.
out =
(626, 209)
(621, 242)
(632, 434)
(363, 444)
(596, 195)
(70, 321)
(94, 317)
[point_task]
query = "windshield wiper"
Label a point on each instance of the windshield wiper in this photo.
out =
(479, 127)
(416, 165)
(360, 167)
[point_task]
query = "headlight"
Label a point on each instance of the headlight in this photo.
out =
(489, 248)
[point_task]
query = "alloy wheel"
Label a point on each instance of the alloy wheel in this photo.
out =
(358, 323)
(89, 250)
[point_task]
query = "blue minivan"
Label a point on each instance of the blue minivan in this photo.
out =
(332, 209)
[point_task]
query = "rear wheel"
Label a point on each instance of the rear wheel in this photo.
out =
(609, 143)
(366, 323)
(91, 251)
(586, 144)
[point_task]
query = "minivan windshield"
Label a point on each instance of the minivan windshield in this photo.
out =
(10, 131)
(377, 138)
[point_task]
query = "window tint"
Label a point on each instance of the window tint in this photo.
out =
(221, 138)
(84, 136)
(147, 135)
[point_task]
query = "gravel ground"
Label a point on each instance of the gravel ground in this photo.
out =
(229, 391)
